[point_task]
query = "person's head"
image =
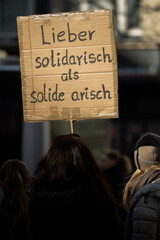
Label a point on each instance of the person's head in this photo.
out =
(113, 158)
(110, 158)
(14, 178)
(147, 161)
(69, 162)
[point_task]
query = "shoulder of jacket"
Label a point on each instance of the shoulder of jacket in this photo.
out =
(151, 190)
(147, 204)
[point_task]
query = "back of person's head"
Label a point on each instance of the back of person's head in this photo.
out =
(147, 161)
(147, 151)
(14, 177)
(69, 162)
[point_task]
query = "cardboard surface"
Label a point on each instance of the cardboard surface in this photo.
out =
(68, 66)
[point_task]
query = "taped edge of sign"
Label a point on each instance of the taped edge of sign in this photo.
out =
(65, 14)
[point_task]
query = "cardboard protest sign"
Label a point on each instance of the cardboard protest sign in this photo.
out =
(68, 66)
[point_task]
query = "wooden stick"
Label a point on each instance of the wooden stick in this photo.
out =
(72, 126)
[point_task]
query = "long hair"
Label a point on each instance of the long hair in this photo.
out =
(137, 181)
(14, 178)
(69, 162)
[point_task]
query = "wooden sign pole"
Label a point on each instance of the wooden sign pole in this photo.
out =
(72, 126)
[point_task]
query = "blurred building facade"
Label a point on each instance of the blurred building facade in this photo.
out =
(138, 51)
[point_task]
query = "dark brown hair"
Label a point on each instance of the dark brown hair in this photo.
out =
(14, 178)
(70, 162)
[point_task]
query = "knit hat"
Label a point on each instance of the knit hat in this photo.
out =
(147, 151)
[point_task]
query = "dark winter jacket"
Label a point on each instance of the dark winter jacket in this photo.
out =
(143, 221)
(72, 214)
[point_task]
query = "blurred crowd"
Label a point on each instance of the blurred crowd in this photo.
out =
(72, 196)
